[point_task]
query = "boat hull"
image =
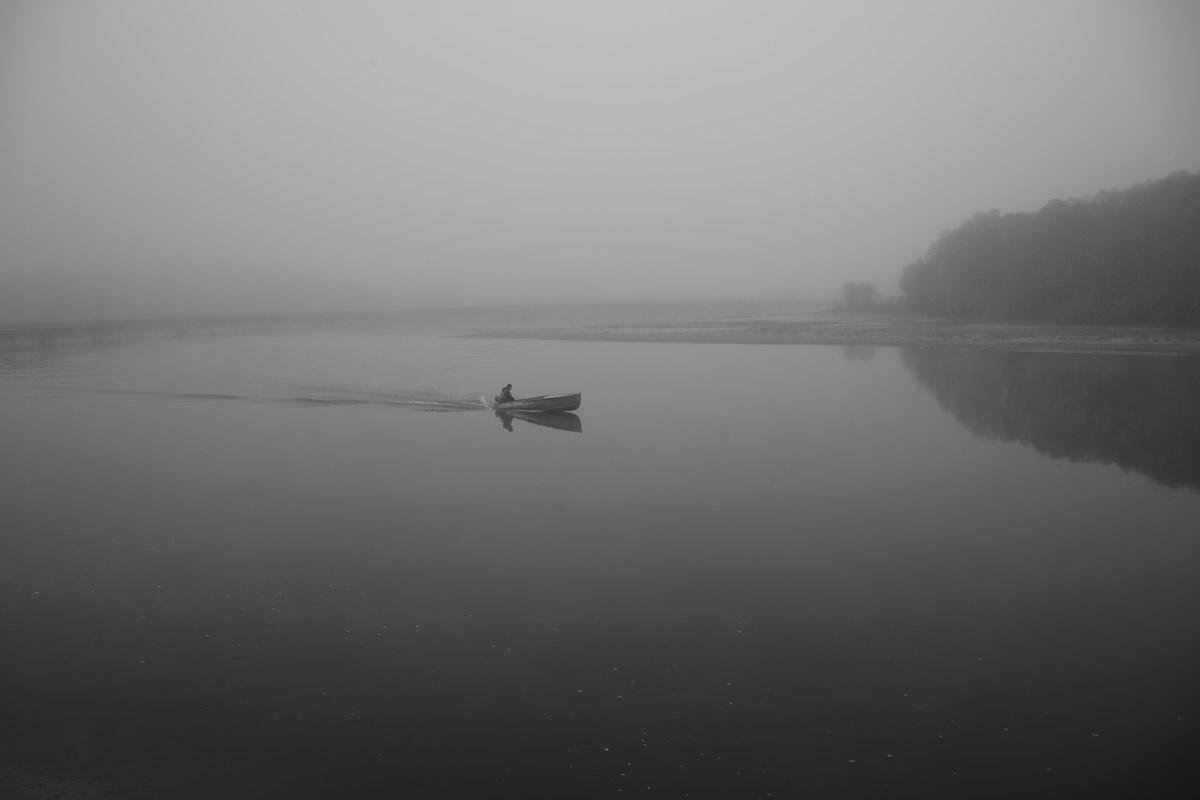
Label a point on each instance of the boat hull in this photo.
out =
(552, 402)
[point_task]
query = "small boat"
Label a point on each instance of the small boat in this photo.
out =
(546, 402)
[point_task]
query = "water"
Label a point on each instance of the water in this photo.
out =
(264, 565)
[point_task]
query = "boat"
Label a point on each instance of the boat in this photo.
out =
(561, 420)
(546, 402)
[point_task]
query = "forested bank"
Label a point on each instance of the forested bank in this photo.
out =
(1122, 257)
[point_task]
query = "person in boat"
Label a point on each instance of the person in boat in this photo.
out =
(505, 395)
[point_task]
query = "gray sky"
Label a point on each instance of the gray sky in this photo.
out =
(162, 157)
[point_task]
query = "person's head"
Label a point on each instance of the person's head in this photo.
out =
(508, 386)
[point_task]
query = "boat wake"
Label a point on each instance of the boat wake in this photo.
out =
(427, 400)
(422, 400)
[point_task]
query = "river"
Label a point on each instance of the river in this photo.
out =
(312, 563)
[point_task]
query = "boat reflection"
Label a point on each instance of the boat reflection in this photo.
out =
(559, 420)
(1136, 411)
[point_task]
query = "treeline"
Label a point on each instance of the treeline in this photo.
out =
(1121, 257)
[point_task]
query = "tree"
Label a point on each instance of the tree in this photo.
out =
(858, 296)
(1129, 256)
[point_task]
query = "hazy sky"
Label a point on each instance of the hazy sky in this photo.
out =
(162, 157)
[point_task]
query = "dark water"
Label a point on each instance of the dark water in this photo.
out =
(265, 566)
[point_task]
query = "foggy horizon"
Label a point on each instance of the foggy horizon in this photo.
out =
(264, 157)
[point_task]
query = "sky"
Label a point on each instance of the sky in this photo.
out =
(165, 157)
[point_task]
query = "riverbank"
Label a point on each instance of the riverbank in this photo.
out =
(844, 328)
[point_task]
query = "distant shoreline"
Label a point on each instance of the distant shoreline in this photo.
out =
(884, 330)
(451, 321)
(683, 323)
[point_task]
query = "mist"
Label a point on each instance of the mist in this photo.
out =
(162, 159)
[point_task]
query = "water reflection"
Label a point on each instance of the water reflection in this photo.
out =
(859, 352)
(559, 420)
(1138, 412)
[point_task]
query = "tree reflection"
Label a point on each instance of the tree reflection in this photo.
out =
(1138, 412)
(859, 352)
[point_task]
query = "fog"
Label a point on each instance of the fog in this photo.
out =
(162, 158)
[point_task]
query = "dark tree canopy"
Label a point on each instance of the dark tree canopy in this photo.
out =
(1130, 256)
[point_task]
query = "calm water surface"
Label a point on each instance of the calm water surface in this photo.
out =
(313, 565)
